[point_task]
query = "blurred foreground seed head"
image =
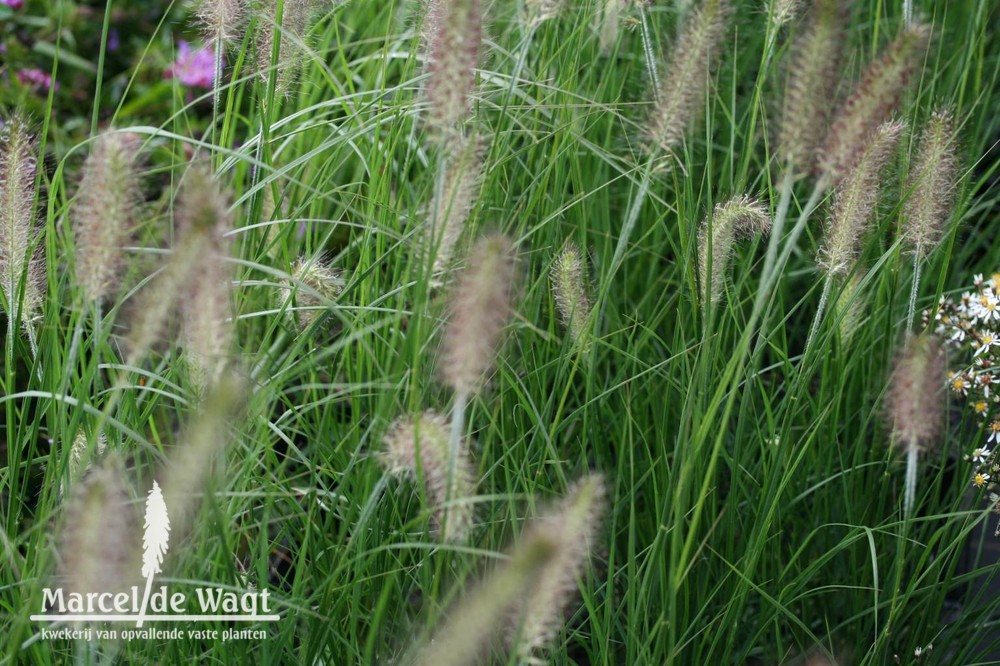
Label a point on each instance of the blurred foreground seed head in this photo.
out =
(453, 31)
(418, 448)
(21, 264)
(453, 203)
(529, 594)
(480, 307)
(105, 211)
(931, 185)
(98, 540)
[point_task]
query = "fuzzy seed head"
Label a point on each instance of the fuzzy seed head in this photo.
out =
(454, 203)
(574, 526)
(482, 303)
(731, 219)
(222, 21)
(314, 284)
(104, 212)
(21, 266)
(540, 11)
(812, 84)
(687, 74)
(856, 199)
(850, 308)
(96, 546)
(783, 11)
(608, 28)
(915, 401)
(570, 291)
(204, 217)
(872, 102)
(81, 458)
(931, 186)
(454, 31)
(295, 18)
(419, 448)
(199, 451)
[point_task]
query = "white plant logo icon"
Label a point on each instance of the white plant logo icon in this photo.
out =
(154, 542)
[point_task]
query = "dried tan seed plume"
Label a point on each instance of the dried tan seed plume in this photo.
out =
(814, 70)
(574, 525)
(570, 290)
(97, 544)
(453, 203)
(687, 74)
(931, 186)
(314, 284)
(872, 102)
(21, 265)
(104, 212)
(419, 449)
(454, 36)
(482, 303)
(740, 215)
(856, 199)
(540, 11)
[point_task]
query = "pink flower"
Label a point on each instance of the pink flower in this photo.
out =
(195, 69)
(13, 4)
(35, 79)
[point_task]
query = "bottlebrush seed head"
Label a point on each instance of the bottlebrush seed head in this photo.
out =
(540, 11)
(571, 293)
(574, 526)
(295, 17)
(687, 74)
(855, 200)
(222, 21)
(482, 303)
(454, 29)
(730, 219)
(314, 284)
(20, 264)
(419, 449)
(850, 308)
(915, 401)
(97, 548)
(608, 28)
(104, 212)
(931, 186)
(783, 11)
(203, 218)
(81, 458)
(453, 203)
(872, 102)
(814, 70)
(201, 447)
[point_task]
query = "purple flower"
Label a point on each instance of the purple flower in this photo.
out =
(195, 69)
(13, 4)
(35, 79)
